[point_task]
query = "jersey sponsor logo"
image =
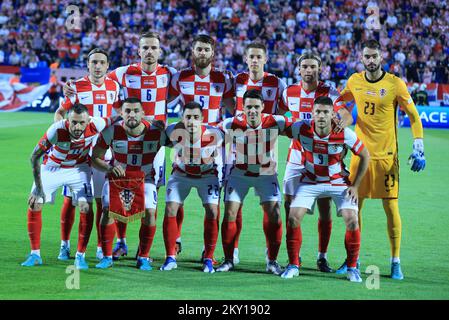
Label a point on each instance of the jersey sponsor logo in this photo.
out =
(132, 81)
(85, 97)
(383, 92)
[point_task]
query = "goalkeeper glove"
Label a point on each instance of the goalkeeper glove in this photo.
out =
(417, 159)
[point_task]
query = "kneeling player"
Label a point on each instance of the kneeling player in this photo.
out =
(134, 144)
(196, 159)
(324, 175)
(66, 164)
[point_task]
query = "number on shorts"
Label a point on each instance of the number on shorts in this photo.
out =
(88, 189)
(276, 189)
(390, 182)
(155, 196)
(215, 188)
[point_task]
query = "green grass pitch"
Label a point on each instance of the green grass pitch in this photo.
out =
(424, 254)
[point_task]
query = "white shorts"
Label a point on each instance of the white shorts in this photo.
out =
(178, 188)
(159, 167)
(76, 179)
(307, 194)
(150, 195)
(291, 178)
(266, 187)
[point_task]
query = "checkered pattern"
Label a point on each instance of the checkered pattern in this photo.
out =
(208, 91)
(255, 147)
(133, 153)
(65, 152)
(270, 85)
(99, 100)
(300, 103)
(150, 89)
(199, 158)
(323, 156)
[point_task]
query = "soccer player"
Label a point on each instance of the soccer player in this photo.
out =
(298, 99)
(206, 85)
(377, 95)
(197, 159)
(100, 95)
(271, 88)
(134, 143)
(149, 82)
(253, 136)
(68, 143)
(324, 174)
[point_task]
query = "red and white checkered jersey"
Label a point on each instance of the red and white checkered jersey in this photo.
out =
(323, 156)
(208, 91)
(270, 85)
(198, 158)
(133, 153)
(66, 152)
(300, 103)
(150, 89)
(254, 148)
(99, 100)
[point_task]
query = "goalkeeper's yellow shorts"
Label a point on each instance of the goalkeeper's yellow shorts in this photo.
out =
(381, 179)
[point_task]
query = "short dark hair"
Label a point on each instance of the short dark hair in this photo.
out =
(78, 108)
(252, 94)
(309, 55)
(131, 100)
(323, 100)
(204, 38)
(371, 44)
(150, 34)
(256, 45)
(192, 105)
(98, 50)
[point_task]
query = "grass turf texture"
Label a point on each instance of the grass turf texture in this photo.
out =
(424, 245)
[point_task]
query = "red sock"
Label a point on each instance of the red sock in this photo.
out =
(98, 214)
(85, 229)
(210, 237)
(294, 242)
(107, 237)
(146, 235)
(273, 236)
(179, 220)
(228, 233)
(67, 218)
(352, 244)
(121, 229)
(324, 234)
(34, 225)
(239, 225)
(170, 231)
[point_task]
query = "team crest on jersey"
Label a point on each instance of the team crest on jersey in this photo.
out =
(383, 92)
(269, 92)
(217, 88)
(127, 198)
(111, 96)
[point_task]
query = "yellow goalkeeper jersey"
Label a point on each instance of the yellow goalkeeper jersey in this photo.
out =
(377, 103)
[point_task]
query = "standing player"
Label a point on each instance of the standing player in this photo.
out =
(253, 136)
(209, 87)
(134, 144)
(298, 99)
(66, 164)
(100, 95)
(377, 95)
(197, 159)
(271, 88)
(149, 82)
(324, 174)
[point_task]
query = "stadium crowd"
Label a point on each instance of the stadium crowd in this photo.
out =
(413, 34)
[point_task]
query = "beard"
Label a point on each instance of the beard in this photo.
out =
(371, 67)
(202, 62)
(132, 123)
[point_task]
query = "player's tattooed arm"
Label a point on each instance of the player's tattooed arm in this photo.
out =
(36, 166)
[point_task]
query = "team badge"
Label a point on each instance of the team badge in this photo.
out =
(127, 198)
(217, 88)
(269, 92)
(383, 92)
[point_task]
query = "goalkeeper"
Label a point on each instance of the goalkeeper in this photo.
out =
(377, 95)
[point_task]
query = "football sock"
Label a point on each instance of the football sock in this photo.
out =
(170, 231)
(391, 207)
(36, 252)
(179, 220)
(228, 233)
(352, 245)
(294, 242)
(324, 234)
(34, 228)
(98, 214)
(146, 236)
(239, 225)
(85, 229)
(273, 236)
(121, 231)
(67, 218)
(107, 237)
(395, 259)
(65, 243)
(210, 237)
